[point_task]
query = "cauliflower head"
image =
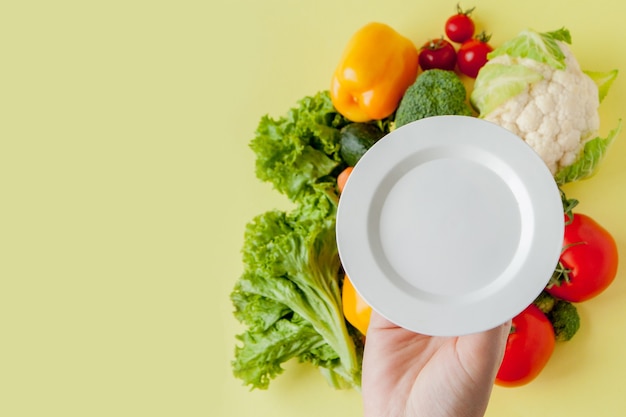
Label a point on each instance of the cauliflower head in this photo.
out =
(555, 115)
(534, 86)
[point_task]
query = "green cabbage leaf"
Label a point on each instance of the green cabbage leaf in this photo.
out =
(587, 163)
(603, 80)
(497, 83)
(540, 46)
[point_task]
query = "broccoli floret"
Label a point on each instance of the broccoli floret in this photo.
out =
(565, 320)
(545, 302)
(435, 93)
(562, 314)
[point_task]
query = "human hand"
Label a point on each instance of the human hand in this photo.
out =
(406, 374)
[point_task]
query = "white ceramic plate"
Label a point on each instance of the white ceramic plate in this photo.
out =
(450, 225)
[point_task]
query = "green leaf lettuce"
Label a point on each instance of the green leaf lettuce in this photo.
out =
(297, 151)
(289, 294)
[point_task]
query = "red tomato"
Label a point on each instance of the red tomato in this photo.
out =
(528, 348)
(437, 53)
(590, 261)
(472, 55)
(460, 27)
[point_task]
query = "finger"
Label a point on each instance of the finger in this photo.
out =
(485, 349)
(495, 338)
(378, 322)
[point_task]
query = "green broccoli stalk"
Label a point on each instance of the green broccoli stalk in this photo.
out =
(545, 302)
(435, 93)
(562, 314)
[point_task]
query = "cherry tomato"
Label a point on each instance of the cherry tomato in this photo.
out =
(528, 348)
(472, 55)
(437, 53)
(460, 27)
(355, 309)
(588, 263)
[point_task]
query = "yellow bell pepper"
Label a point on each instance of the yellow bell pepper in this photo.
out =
(376, 68)
(355, 309)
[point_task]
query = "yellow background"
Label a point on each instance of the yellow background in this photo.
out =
(126, 181)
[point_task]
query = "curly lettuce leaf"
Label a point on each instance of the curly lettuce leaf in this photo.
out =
(587, 164)
(259, 358)
(540, 46)
(258, 312)
(497, 83)
(291, 272)
(297, 151)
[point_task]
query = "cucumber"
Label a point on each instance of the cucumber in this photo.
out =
(356, 139)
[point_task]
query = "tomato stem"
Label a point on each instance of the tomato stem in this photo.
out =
(559, 276)
(435, 44)
(483, 37)
(467, 12)
(568, 206)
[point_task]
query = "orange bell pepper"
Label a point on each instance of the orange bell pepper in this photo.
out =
(376, 68)
(355, 309)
